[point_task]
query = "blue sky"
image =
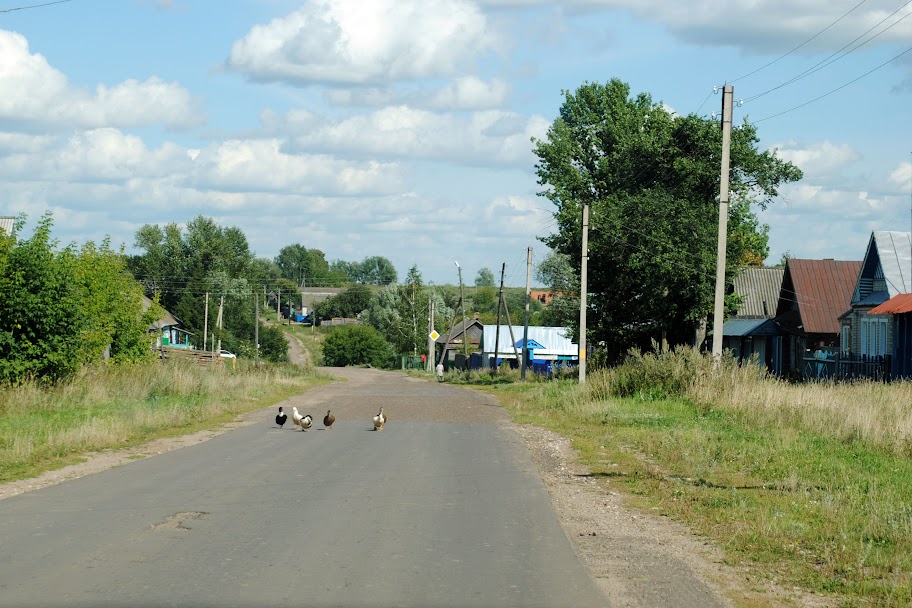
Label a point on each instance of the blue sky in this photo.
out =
(401, 128)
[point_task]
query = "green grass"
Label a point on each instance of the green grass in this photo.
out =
(113, 407)
(796, 501)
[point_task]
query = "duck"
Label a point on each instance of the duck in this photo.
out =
(379, 420)
(328, 420)
(281, 417)
(306, 422)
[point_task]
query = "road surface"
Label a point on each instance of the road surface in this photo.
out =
(442, 508)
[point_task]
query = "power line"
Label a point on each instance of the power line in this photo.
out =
(763, 67)
(836, 89)
(834, 57)
(22, 8)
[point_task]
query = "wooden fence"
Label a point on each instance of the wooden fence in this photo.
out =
(200, 357)
(849, 367)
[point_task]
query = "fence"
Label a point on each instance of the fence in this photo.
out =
(848, 367)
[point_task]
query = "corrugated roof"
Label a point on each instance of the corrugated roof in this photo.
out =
(6, 224)
(759, 287)
(895, 305)
(750, 327)
(820, 290)
(166, 320)
(895, 252)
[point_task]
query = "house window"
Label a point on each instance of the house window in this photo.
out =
(874, 336)
(844, 344)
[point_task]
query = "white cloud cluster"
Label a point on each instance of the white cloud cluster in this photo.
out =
(480, 138)
(37, 96)
(817, 159)
(352, 41)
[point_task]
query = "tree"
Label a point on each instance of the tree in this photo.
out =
(484, 278)
(375, 270)
(356, 345)
(348, 303)
(557, 273)
(650, 179)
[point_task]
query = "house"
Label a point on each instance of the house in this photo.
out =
(463, 337)
(167, 330)
(6, 224)
(546, 346)
(899, 308)
(814, 294)
(886, 273)
(751, 332)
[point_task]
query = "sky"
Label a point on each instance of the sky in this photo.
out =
(403, 128)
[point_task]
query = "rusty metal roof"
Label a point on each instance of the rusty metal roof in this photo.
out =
(895, 305)
(820, 291)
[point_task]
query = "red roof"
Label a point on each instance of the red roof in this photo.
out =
(895, 305)
(823, 290)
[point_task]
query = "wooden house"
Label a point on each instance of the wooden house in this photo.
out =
(751, 333)
(813, 296)
(886, 273)
(463, 338)
(899, 310)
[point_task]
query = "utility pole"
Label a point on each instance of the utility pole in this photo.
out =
(430, 344)
(219, 322)
(256, 329)
(205, 320)
(584, 280)
(718, 318)
(525, 351)
(465, 336)
(503, 271)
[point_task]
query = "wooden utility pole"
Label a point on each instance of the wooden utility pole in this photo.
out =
(465, 332)
(526, 323)
(584, 280)
(503, 271)
(718, 312)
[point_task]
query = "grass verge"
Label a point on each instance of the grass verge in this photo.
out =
(114, 407)
(805, 486)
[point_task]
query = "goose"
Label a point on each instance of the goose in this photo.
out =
(379, 420)
(281, 417)
(328, 420)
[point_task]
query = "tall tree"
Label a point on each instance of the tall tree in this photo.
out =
(651, 179)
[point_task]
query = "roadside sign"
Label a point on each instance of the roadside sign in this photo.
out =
(434, 335)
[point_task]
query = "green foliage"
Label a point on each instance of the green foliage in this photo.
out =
(349, 303)
(484, 278)
(651, 180)
(357, 345)
(305, 267)
(374, 270)
(273, 344)
(61, 310)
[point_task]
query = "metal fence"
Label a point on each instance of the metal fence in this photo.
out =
(848, 367)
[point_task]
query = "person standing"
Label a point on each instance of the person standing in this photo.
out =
(440, 372)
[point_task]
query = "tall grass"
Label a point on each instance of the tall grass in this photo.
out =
(43, 428)
(806, 485)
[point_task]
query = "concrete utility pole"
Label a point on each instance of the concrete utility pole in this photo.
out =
(219, 322)
(584, 281)
(718, 312)
(431, 350)
(256, 329)
(465, 337)
(522, 374)
(205, 320)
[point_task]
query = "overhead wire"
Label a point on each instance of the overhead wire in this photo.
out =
(22, 8)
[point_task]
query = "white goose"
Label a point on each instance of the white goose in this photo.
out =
(305, 421)
(379, 420)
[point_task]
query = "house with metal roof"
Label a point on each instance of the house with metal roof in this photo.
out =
(885, 274)
(462, 339)
(6, 223)
(898, 310)
(750, 333)
(814, 295)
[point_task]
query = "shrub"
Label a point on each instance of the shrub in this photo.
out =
(357, 345)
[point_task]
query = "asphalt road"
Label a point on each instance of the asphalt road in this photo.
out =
(442, 508)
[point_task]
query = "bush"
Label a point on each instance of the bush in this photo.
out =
(357, 345)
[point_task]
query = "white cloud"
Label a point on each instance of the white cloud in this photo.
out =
(471, 93)
(901, 176)
(481, 138)
(353, 41)
(819, 158)
(37, 95)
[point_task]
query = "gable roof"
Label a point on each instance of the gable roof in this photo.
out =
(166, 320)
(6, 224)
(889, 256)
(896, 305)
(819, 291)
(458, 329)
(750, 327)
(554, 340)
(759, 287)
